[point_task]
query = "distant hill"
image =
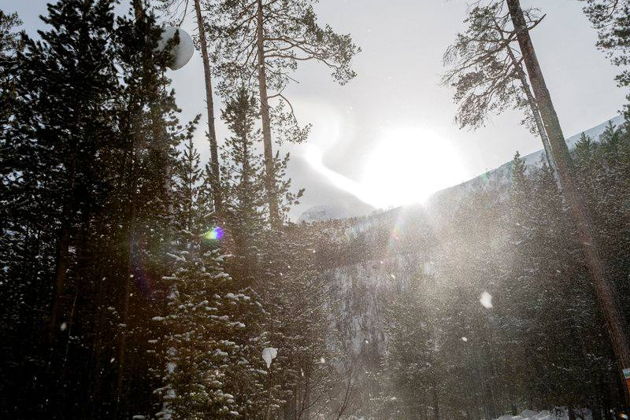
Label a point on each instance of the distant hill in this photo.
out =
(502, 174)
(497, 176)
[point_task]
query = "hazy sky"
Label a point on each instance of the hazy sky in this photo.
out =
(393, 114)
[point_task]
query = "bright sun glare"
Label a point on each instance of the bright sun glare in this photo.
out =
(408, 164)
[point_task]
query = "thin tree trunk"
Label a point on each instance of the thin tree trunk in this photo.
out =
(131, 195)
(62, 262)
(61, 270)
(95, 378)
(131, 239)
(270, 182)
(269, 396)
(306, 404)
(212, 135)
(347, 394)
(561, 157)
(540, 127)
(122, 345)
(138, 9)
(436, 402)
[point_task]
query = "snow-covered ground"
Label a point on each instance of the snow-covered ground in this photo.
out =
(558, 414)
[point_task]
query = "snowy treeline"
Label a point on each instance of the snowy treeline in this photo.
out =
(487, 309)
(126, 290)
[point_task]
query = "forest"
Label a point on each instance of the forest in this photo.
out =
(138, 281)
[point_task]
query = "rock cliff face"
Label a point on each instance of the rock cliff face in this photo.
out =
(366, 263)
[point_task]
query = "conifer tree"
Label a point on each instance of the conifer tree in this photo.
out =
(212, 135)
(610, 18)
(61, 123)
(581, 214)
(487, 71)
(413, 360)
(10, 44)
(92, 137)
(210, 345)
(304, 375)
(212, 362)
(243, 187)
(258, 45)
(142, 204)
(277, 266)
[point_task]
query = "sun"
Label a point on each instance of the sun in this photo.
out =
(408, 164)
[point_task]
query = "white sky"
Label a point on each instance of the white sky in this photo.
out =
(397, 90)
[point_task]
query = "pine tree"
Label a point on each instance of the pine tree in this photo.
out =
(214, 175)
(591, 243)
(304, 373)
(487, 71)
(213, 367)
(10, 44)
(187, 195)
(413, 362)
(260, 44)
(141, 208)
(276, 265)
(211, 345)
(243, 187)
(62, 122)
(610, 18)
(547, 307)
(92, 143)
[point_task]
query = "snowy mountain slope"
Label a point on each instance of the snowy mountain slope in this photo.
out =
(323, 212)
(501, 175)
(594, 133)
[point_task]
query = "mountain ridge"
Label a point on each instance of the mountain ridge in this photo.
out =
(500, 175)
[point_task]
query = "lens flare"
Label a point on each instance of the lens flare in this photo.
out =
(214, 234)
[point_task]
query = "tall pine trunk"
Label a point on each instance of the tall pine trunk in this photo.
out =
(212, 135)
(531, 101)
(61, 269)
(564, 167)
(62, 258)
(127, 277)
(266, 121)
(135, 111)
